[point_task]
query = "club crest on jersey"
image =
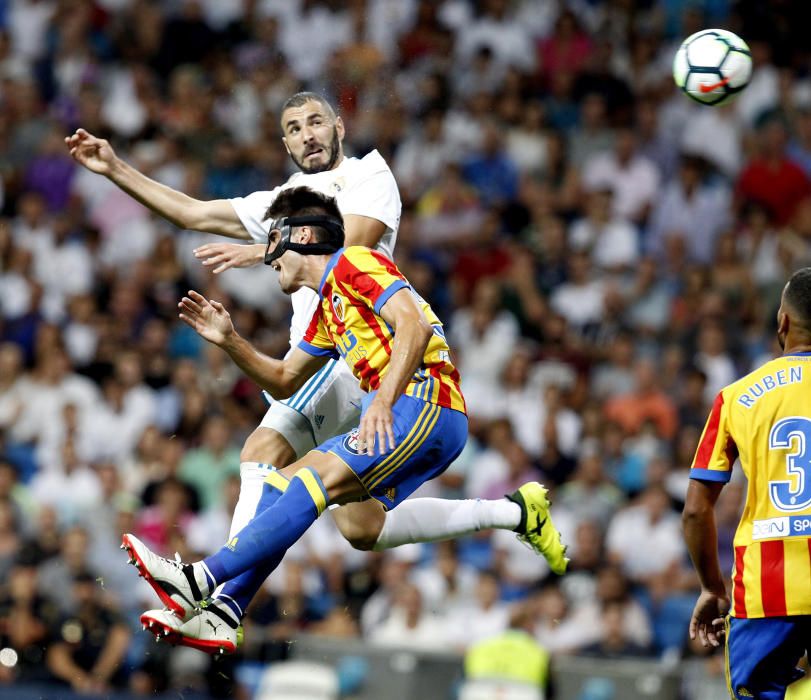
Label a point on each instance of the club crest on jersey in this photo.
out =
(338, 306)
(337, 185)
(351, 441)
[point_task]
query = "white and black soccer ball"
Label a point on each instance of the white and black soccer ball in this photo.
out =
(712, 66)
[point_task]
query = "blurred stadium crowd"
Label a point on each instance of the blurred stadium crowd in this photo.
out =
(606, 255)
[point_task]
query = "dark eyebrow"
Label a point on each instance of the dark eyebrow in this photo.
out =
(309, 117)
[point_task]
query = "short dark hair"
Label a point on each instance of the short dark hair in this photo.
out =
(303, 201)
(301, 98)
(798, 296)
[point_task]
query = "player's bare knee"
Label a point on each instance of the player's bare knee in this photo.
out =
(365, 542)
(360, 523)
(268, 447)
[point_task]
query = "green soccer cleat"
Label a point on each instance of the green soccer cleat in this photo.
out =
(536, 527)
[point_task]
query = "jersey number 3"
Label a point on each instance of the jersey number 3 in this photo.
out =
(792, 494)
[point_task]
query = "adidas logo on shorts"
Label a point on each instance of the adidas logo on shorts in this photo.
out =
(319, 420)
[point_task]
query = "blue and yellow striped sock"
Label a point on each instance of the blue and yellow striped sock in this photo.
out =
(236, 594)
(269, 535)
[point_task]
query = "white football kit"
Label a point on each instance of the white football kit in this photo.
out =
(329, 402)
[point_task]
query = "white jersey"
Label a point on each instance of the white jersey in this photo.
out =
(363, 186)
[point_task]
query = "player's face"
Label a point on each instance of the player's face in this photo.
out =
(289, 264)
(312, 137)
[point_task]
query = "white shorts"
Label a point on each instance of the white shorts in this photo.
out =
(327, 405)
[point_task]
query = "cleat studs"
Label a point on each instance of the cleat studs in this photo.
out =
(143, 627)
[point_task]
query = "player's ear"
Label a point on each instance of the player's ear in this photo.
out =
(339, 126)
(783, 322)
(286, 147)
(306, 235)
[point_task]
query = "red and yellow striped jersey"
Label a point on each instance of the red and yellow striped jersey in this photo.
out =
(355, 286)
(765, 419)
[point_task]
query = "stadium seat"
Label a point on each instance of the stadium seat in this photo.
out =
(298, 680)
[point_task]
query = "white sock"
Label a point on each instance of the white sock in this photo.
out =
(432, 519)
(252, 480)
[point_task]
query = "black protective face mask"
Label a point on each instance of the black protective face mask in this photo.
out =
(281, 229)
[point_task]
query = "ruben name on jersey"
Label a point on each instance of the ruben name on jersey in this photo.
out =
(765, 420)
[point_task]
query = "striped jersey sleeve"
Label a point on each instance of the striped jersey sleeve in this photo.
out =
(316, 340)
(717, 450)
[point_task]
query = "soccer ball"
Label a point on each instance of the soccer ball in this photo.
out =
(712, 66)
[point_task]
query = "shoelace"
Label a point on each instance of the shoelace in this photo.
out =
(177, 562)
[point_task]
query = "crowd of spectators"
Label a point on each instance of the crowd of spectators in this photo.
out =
(606, 255)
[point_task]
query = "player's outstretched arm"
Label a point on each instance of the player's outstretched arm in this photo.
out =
(215, 216)
(220, 257)
(280, 378)
(412, 332)
(698, 522)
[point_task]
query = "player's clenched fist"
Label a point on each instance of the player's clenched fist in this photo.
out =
(93, 153)
(208, 318)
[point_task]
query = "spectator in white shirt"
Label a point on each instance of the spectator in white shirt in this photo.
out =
(613, 242)
(484, 336)
(421, 157)
(580, 300)
(499, 31)
(539, 414)
(633, 177)
(409, 625)
(65, 266)
(482, 617)
(490, 466)
(713, 359)
(662, 547)
(33, 228)
(446, 584)
(50, 389)
(310, 36)
(692, 209)
(70, 490)
(715, 134)
(612, 589)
